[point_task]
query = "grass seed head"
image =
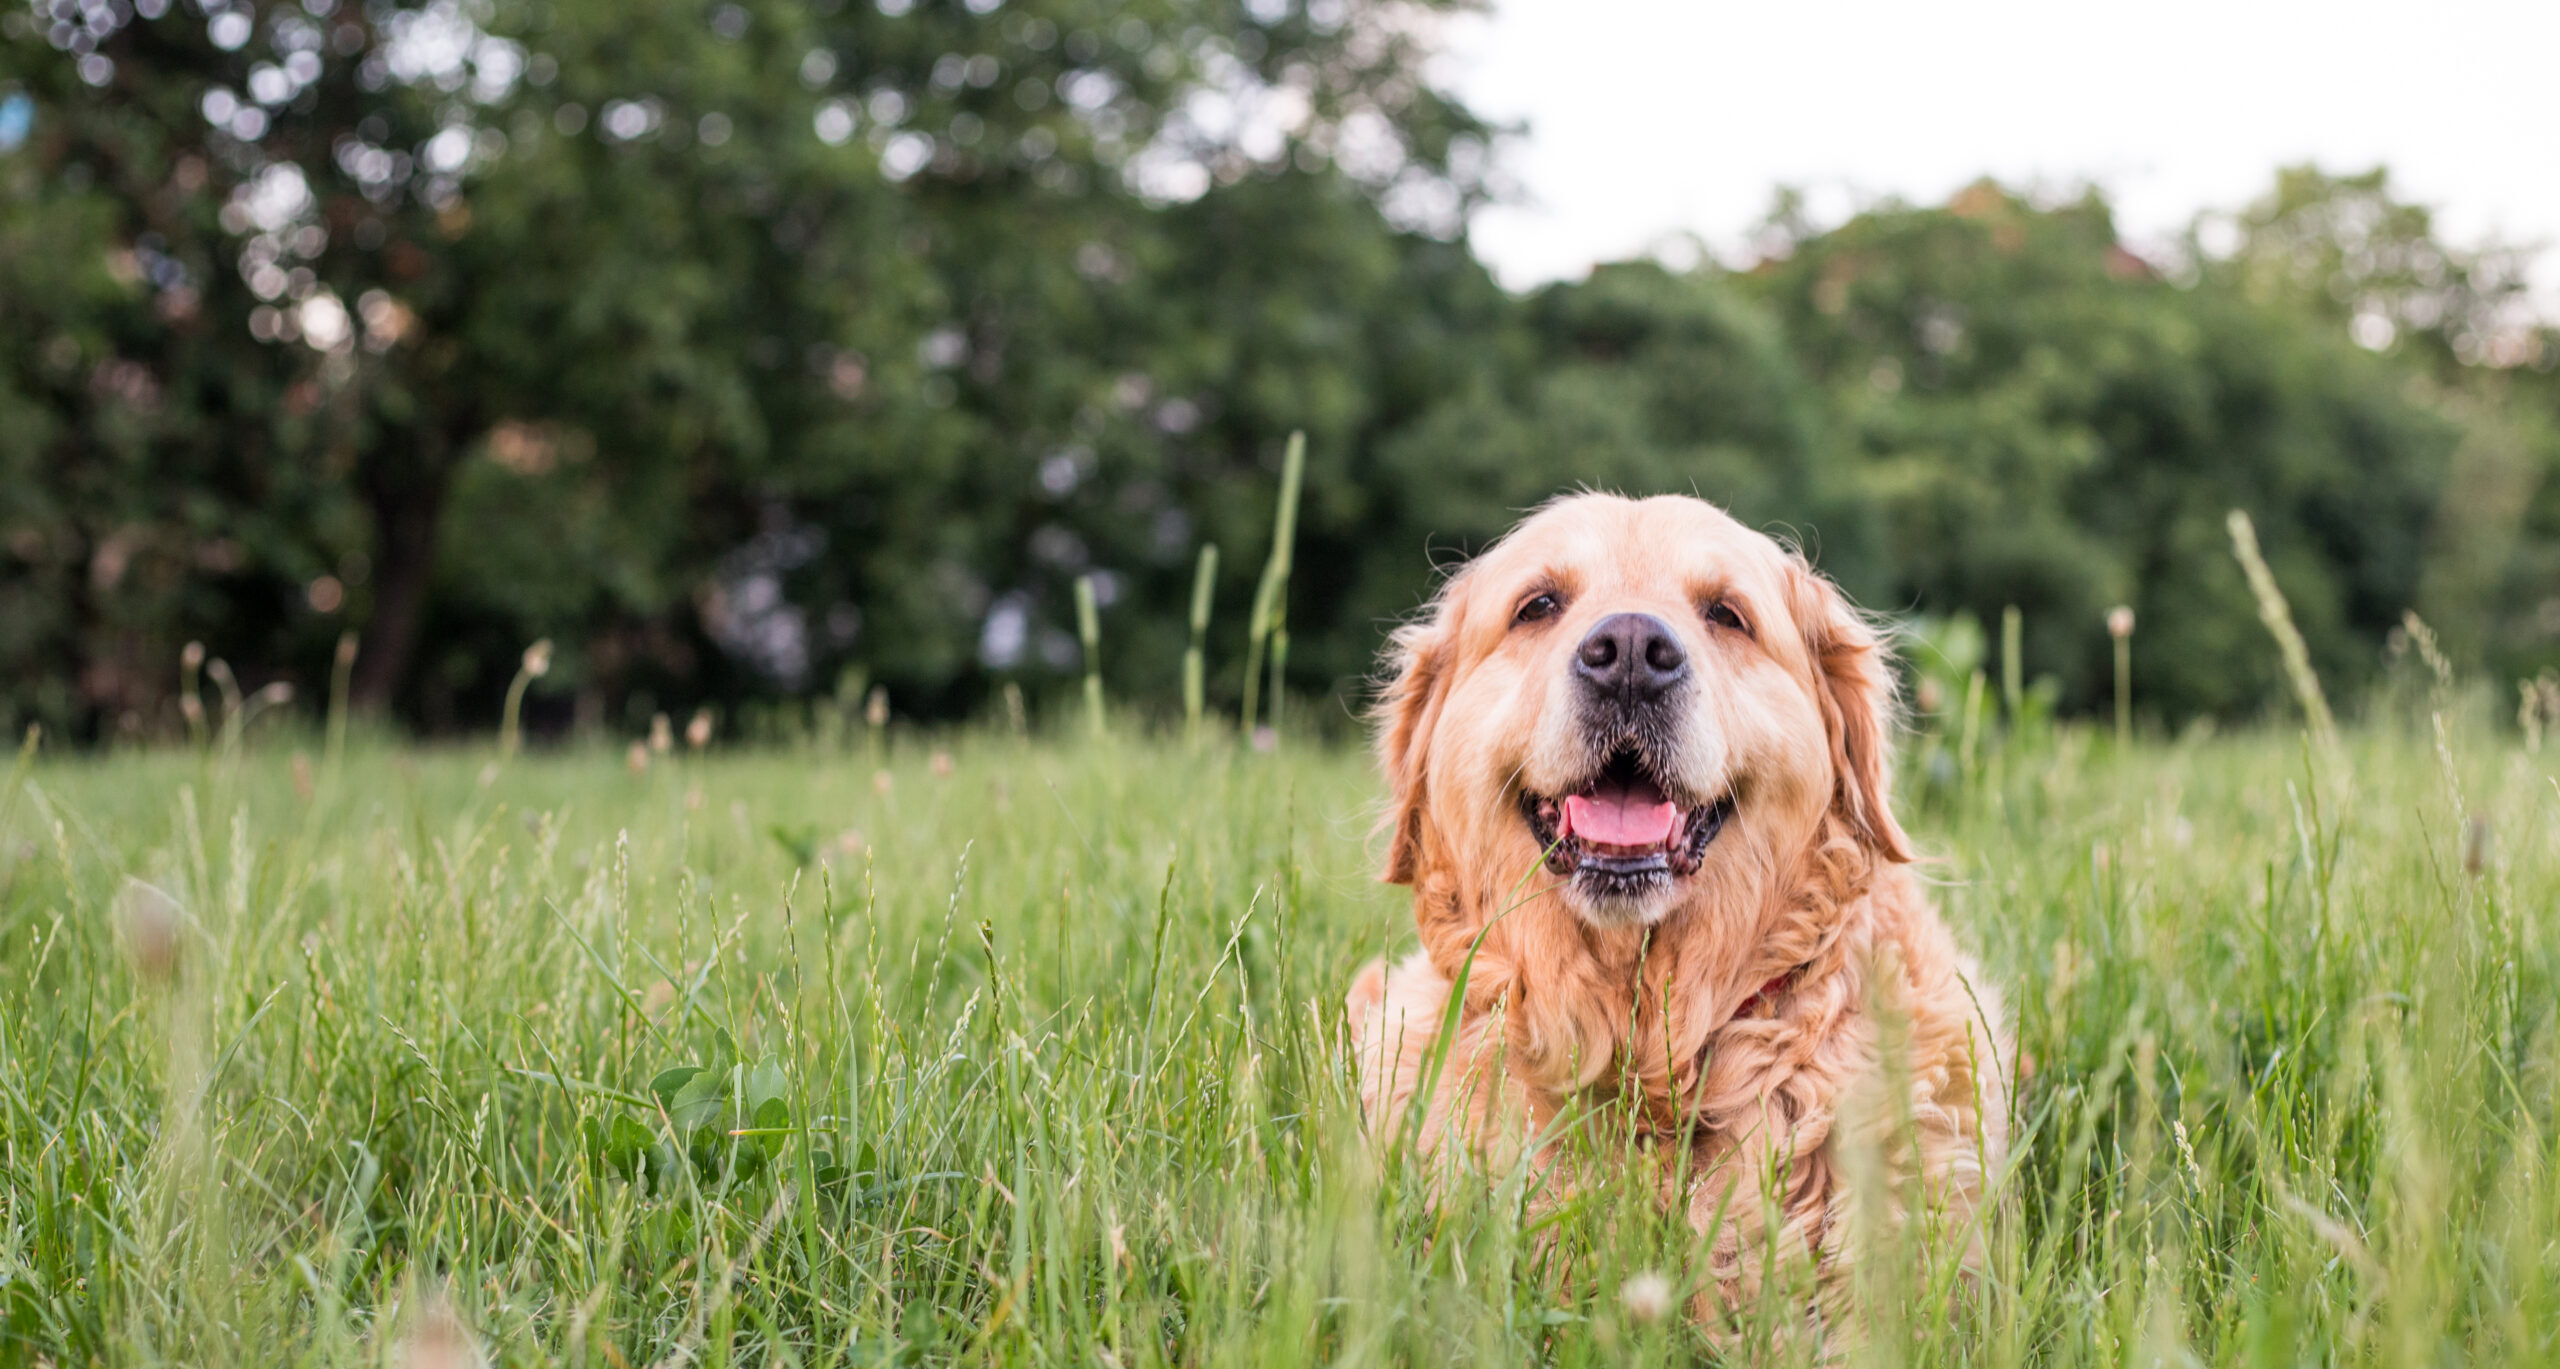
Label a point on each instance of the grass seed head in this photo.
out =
(697, 734)
(2120, 621)
(152, 925)
(537, 659)
(662, 735)
(637, 758)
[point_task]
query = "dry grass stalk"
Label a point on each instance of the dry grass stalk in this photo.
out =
(2120, 627)
(1271, 597)
(536, 664)
(2278, 616)
(1195, 661)
(190, 697)
(2013, 672)
(1089, 631)
(153, 926)
(2537, 707)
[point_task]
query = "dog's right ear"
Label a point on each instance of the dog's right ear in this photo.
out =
(1419, 655)
(1855, 689)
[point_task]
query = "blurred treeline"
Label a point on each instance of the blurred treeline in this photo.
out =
(744, 349)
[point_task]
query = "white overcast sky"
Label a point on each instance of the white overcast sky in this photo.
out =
(1650, 119)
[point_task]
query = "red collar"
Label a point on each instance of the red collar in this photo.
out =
(1768, 993)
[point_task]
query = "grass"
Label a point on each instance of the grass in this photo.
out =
(1035, 1060)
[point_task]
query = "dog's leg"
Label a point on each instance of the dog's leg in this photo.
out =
(1764, 1205)
(1476, 1107)
(1395, 1016)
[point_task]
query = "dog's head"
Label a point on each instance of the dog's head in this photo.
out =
(1656, 699)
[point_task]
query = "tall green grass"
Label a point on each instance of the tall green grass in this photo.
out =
(1034, 1058)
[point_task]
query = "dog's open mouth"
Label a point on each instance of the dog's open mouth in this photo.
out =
(1622, 834)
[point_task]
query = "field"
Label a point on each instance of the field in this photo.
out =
(1026, 1052)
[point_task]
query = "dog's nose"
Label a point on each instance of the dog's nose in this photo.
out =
(1634, 655)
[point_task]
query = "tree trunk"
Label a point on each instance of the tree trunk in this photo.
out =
(407, 499)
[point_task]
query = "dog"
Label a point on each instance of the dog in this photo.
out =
(1639, 762)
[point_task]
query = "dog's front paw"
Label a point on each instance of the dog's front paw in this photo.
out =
(1368, 995)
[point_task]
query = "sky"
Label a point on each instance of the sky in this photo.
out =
(1652, 120)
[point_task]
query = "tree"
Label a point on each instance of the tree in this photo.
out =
(2043, 419)
(709, 291)
(736, 346)
(2347, 251)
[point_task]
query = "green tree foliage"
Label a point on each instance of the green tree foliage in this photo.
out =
(1637, 380)
(2042, 420)
(735, 345)
(726, 342)
(2344, 249)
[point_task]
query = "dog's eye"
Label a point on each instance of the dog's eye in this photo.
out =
(1537, 608)
(1722, 614)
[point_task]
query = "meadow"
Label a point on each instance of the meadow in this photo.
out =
(975, 1048)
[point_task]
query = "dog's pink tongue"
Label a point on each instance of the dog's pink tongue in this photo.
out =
(1619, 819)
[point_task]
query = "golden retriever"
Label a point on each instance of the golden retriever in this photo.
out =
(1639, 761)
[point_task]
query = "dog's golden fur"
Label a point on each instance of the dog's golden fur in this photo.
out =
(1801, 965)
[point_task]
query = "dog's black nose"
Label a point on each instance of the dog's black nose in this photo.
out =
(1631, 655)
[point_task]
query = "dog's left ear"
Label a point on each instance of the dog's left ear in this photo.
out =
(1407, 712)
(1855, 684)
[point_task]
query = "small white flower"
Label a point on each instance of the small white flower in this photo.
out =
(439, 1340)
(1646, 1296)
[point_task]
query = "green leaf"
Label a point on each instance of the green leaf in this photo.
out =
(707, 1148)
(621, 1145)
(670, 1082)
(765, 1083)
(702, 1103)
(774, 1116)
